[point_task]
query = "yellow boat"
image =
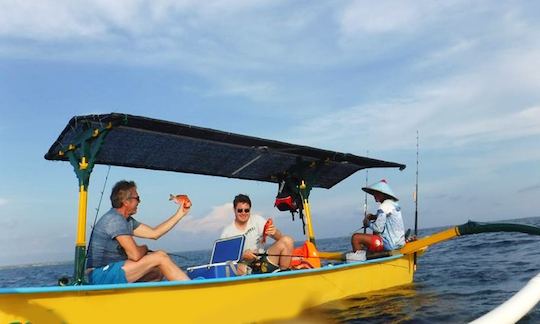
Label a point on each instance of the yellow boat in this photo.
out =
(152, 144)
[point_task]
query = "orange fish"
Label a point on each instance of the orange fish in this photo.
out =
(181, 199)
(266, 226)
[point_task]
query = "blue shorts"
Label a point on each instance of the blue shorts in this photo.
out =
(109, 274)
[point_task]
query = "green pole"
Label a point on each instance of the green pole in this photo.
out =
(82, 155)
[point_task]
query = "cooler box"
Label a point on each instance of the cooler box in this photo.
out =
(216, 270)
(225, 255)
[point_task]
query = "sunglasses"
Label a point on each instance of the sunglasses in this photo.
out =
(240, 210)
(136, 198)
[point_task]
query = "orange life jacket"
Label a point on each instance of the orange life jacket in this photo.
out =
(305, 256)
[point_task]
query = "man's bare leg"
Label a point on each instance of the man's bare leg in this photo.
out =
(360, 241)
(154, 275)
(137, 269)
(280, 252)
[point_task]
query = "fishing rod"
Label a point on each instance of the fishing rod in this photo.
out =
(365, 202)
(416, 190)
(337, 256)
(416, 199)
(176, 255)
(288, 255)
(365, 196)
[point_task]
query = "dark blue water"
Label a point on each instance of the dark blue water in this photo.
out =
(457, 280)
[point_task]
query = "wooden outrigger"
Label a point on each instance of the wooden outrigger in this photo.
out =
(131, 141)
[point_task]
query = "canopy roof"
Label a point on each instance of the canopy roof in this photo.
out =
(140, 142)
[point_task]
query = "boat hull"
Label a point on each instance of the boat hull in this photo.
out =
(241, 299)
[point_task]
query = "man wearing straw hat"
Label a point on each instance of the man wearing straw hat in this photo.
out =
(386, 224)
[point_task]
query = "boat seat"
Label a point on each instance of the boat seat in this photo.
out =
(378, 255)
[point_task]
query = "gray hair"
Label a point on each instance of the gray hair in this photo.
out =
(120, 192)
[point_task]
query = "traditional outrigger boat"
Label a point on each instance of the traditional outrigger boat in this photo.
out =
(139, 142)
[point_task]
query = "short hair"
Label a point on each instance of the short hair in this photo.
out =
(241, 198)
(120, 192)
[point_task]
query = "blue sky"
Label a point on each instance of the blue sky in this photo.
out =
(350, 76)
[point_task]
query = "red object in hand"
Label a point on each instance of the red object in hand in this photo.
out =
(181, 200)
(266, 226)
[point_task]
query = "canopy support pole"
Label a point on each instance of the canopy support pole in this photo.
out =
(82, 155)
(80, 244)
(304, 193)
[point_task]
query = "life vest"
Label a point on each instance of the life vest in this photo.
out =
(287, 199)
(286, 203)
(305, 256)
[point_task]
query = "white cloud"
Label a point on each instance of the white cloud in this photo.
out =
(213, 222)
(254, 90)
(101, 19)
(460, 47)
(3, 201)
(248, 48)
(48, 20)
(362, 17)
(507, 126)
(482, 102)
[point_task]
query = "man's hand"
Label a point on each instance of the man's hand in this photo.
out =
(271, 230)
(182, 210)
(182, 200)
(368, 218)
(372, 217)
(249, 255)
(366, 221)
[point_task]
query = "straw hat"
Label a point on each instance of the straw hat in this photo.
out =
(382, 187)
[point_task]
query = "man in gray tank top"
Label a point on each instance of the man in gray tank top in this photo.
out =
(113, 254)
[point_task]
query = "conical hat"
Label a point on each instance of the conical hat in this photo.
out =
(382, 187)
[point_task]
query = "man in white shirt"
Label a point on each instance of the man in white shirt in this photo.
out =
(386, 224)
(276, 257)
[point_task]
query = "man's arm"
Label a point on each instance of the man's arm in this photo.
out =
(277, 234)
(133, 251)
(380, 221)
(154, 233)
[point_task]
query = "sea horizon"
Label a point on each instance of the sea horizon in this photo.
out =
(63, 262)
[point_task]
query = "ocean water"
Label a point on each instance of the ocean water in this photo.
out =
(456, 281)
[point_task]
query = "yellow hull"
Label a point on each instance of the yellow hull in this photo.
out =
(234, 300)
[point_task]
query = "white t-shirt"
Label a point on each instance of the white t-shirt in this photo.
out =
(253, 233)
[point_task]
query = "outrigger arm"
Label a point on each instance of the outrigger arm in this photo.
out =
(81, 155)
(421, 244)
(465, 229)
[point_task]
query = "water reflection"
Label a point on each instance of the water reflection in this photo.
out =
(397, 305)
